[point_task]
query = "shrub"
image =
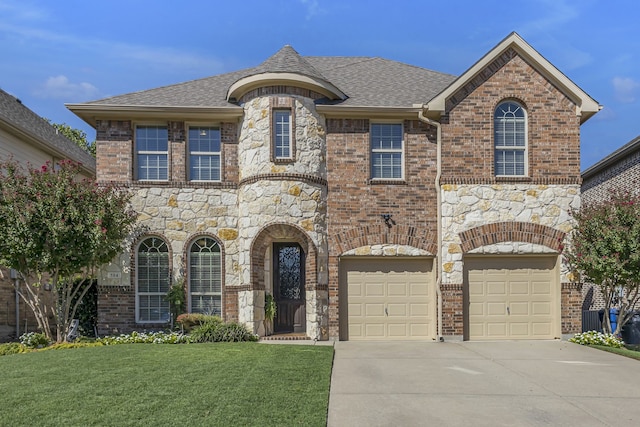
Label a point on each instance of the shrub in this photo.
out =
(144, 338)
(13, 348)
(597, 338)
(190, 320)
(216, 331)
(34, 340)
(66, 345)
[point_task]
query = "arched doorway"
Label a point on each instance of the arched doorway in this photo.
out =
(283, 264)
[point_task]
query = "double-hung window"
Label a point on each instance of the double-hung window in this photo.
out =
(387, 151)
(152, 277)
(152, 152)
(205, 277)
(204, 154)
(282, 146)
(510, 139)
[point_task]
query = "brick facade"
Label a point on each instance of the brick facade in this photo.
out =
(553, 127)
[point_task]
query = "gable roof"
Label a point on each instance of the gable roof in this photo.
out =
(19, 120)
(347, 82)
(621, 153)
(586, 106)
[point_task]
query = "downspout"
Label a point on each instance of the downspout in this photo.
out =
(427, 120)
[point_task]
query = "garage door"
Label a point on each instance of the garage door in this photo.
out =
(389, 299)
(513, 298)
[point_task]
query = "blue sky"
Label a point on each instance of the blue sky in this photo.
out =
(68, 51)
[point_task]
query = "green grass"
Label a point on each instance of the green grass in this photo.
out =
(226, 384)
(632, 352)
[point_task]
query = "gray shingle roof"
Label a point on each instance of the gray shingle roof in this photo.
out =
(367, 82)
(14, 114)
(618, 155)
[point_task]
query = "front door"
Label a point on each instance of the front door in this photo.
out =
(288, 287)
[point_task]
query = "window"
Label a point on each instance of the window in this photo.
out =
(282, 134)
(510, 139)
(386, 151)
(205, 277)
(204, 154)
(152, 144)
(152, 267)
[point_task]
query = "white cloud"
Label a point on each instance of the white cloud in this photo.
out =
(60, 87)
(313, 8)
(626, 89)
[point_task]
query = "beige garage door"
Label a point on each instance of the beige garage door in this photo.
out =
(389, 299)
(513, 298)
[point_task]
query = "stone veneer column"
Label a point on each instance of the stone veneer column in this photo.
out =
(279, 194)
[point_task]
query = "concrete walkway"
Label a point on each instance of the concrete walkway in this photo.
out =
(514, 383)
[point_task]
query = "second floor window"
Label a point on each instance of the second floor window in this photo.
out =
(510, 139)
(386, 151)
(282, 134)
(152, 153)
(204, 154)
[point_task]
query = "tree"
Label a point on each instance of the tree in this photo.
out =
(57, 230)
(605, 250)
(76, 135)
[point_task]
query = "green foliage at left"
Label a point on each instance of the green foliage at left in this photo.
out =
(76, 135)
(58, 229)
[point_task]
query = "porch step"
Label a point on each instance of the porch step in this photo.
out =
(286, 337)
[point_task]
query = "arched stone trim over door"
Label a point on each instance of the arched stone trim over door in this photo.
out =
(512, 231)
(274, 236)
(380, 234)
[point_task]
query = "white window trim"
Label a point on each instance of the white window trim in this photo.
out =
(203, 153)
(138, 293)
(524, 149)
(138, 153)
(290, 133)
(384, 150)
(189, 292)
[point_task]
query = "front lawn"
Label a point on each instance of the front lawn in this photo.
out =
(230, 384)
(629, 351)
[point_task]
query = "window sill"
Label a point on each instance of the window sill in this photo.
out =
(380, 181)
(512, 178)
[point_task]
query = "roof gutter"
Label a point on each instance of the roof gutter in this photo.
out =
(438, 267)
(92, 112)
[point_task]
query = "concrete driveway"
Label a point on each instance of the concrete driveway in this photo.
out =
(514, 383)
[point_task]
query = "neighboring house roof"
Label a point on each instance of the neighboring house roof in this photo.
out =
(19, 120)
(586, 105)
(621, 153)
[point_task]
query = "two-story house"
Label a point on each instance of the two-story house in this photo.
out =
(373, 199)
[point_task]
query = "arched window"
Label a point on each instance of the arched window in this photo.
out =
(205, 277)
(152, 268)
(510, 139)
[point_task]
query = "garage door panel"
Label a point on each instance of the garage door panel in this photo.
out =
(374, 310)
(396, 310)
(419, 310)
(518, 288)
(512, 297)
(519, 309)
(394, 299)
(496, 330)
(374, 330)
(495, 288)
(496, 309)
(541, 308)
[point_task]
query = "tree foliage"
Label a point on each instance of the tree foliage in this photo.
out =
(605, 250)
(76, 135)
(58, 229)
